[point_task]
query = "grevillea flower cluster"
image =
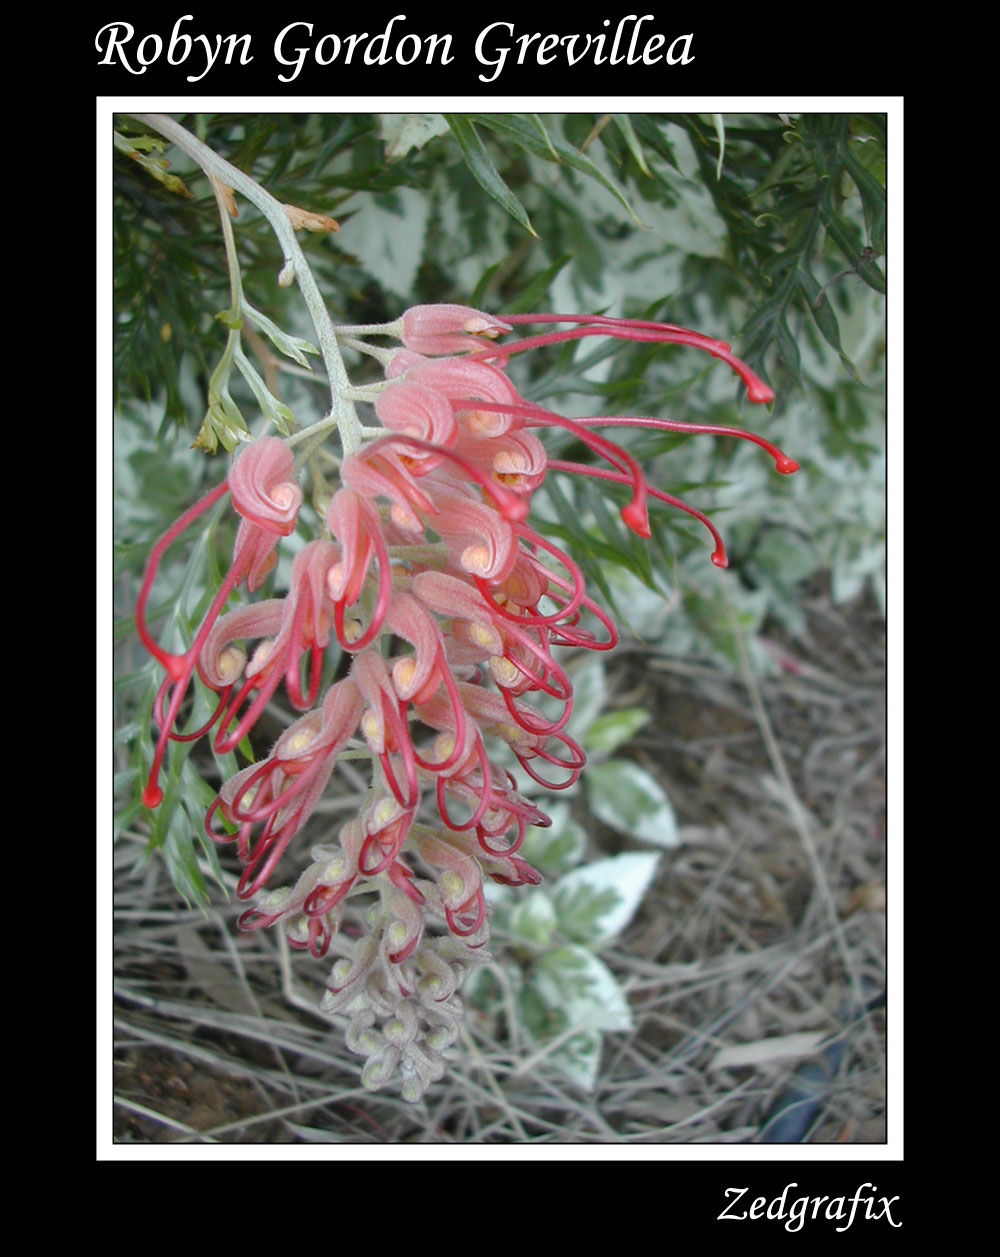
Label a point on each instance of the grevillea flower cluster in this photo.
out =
(451, 609)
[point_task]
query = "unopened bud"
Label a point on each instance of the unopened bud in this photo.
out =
(486, 637)
(452, 887)
(297, 930)
(476, 559)
(268, 900)
(384, 811)
(231, 663)
(504, 672)
(441, 1037)
(371, 727)
(340, 972)
(403, 671)
(448, 329)
(380, 1068)
(334, 870)
(412, 1089)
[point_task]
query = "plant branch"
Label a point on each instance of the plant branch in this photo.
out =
(341, 408)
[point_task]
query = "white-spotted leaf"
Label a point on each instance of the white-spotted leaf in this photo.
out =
(581, 989)
(596, 902)
(533, 918)
(403, 131)
(557, 849)
(579, 1058)
(627, 798)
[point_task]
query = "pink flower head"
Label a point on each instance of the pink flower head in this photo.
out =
(464, 382)
(452, 608)
(479, 539)
(287, 628)
(381, 473)
(448, 329)
(311, 910)
(279, 794)
(520, 660)
(354, 521)
(403, 930)
(268, 499)
(384, 726)
(419, 673)
(459, 883)
(386, 824)
(517, 460)
(412, 409)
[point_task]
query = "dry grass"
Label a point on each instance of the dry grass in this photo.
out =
(755, 967)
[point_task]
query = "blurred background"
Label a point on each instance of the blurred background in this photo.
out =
(705, 960)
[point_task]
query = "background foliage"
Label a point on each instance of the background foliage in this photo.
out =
(768, 231)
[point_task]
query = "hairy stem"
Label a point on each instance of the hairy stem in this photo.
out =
(341, 408)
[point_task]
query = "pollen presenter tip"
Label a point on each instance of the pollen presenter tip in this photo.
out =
(760, 393)
(152, 796)
(637, 518)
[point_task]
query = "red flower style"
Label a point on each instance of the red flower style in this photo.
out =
(268, 500)
(280, 793)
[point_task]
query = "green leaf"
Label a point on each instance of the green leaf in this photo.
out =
(823, 314)
(533, 918)
(852, 251)
(579, 1059)
(535, 288)
(871, 273)
(624, 124)
(581, 989)
(479, 292)
(720, 131)
(558, 848)
(539, 125)
(598, 900)
(276, 412)
(484, 171)
(650, 130)
(525, 134)
(613, 730)
(789, 350)
(627, 798)
(293, 347)
(872, 196)
(155, 166)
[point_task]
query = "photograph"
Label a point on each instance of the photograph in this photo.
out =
(500, 719)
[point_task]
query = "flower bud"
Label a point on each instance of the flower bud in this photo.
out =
(448, 329)
(380, 1067)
